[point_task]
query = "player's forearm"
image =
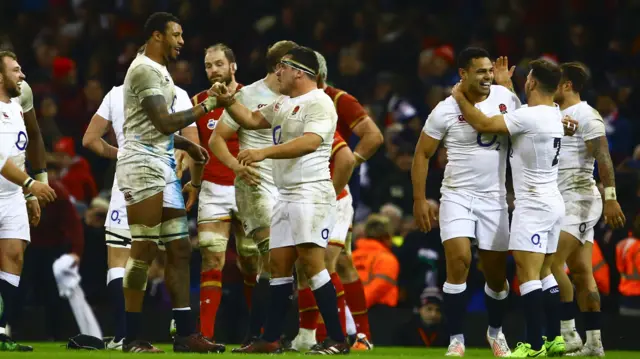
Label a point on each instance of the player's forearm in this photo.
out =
(244, 117)
(419, 172)
(196, 170)
(219, 148)
(156, 108)
(474, 117)
(599, 147)
(342, 175)
(35, 150)
(367, 146)
(100, 147)
(293, 149)
(14, 174)
(182, 143)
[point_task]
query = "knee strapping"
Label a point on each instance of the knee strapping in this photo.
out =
(135, 276)
(175, 228)
(140, 232)
(246, 246)
(212, 241)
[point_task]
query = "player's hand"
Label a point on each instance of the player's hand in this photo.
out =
(248, 174)
(613, 215)
(198, 154)
(570, 125)
(42, 191)
(501, 71)
(456, 92)
(192, 194)
(424, 213)
(180, 162)
(247, 157)
(34, 211)
(223, 95)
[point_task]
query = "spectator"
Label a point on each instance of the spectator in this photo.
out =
(619, 131)
(76, 173)
(395, 186)
(377, 266)
(628, 264)
(425, 328)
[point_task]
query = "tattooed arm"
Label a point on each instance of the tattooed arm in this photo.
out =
(156, 108)
(599, 148)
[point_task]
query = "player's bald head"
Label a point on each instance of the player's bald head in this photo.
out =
(276, 52)
(158, 21)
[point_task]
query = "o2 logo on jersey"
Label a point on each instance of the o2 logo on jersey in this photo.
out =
(494, 139)
(325, 234)
(535, 240)
(502, 108)
(277, 135)
(461, 118)
(211, 124)
(115, 217)
(22, 141)
(261, 105)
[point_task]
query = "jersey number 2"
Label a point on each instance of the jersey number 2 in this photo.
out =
(556, 144)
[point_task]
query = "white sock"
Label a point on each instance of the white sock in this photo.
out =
(460, 337)
(593, 338)
(567, 326)
(493, 332)
(84, 315)
(351, 324)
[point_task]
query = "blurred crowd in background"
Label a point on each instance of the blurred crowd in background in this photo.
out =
(396, 56)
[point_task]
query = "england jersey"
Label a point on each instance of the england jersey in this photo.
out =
(476, 162)
(14, 143)
(305, 179)
(254, 97)
(536, 138)
(146, 78)
(575, 169)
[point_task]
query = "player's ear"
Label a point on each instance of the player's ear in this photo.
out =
(462, 73)
(234, 67)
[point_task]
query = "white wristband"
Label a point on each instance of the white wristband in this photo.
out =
(28, 182)
(610, 194)
(30, 197)
(42, 177)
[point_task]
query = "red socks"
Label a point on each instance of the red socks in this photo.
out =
(308, 309)
(354, 295)
(210, 296)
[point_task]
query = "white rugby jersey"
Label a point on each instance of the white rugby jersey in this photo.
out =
(254, 97)
(476, 163)
(575, 171)
(304, 179)
(13, 135)
(146, 78)
(536, 138)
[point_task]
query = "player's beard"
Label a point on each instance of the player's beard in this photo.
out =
(12, 89)
(226, 79)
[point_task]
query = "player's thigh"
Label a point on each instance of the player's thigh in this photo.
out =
(311, 256)
(331, 257)
(12, 255)
(117, 256)
(255, 206)
(567, 245)
(147, 212)
(281, 261)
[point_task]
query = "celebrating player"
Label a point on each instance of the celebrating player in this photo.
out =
(18, 125)
(117, 234)
(352, 120)
(473, 204)
(536, 133)
(147, 178)
(217, 210)
(255, 191)
(303, 123)
(583, 210)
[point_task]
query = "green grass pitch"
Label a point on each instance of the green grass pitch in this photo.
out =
(57, 350)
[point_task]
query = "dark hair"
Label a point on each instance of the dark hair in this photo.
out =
(158, 22)
(276, 52)
(465, 56)
(3, 54)
(547, 74)
(228, 53)
(576, 73)
(307, 58)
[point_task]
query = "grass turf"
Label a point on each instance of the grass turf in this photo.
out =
(57, 350)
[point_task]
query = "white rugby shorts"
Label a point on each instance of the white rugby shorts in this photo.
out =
(143, 176)
(344, 220)
(296, 223)
(216, 203)
(483, 219)
(581, 216)
(255, 204)
(536, 224)
(116, 225)
(14, 219)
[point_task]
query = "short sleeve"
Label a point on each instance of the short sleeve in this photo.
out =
(591, 129)
(26, 97)
(338, 143)
(183, 102)
(104, 110)
(269, 111)
(516, 101)
(435, 126)
(350, 110)
(319, 120)
(516, 122)
(146, 81)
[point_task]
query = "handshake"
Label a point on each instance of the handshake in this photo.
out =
(219, 96)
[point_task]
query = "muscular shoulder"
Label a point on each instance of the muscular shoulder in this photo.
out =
(587, 113)
(445, 110)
